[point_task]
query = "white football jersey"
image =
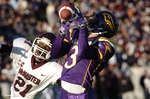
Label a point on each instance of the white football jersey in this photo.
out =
(31, 78)
(20, 47)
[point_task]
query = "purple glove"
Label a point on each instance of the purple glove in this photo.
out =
(78, 13)
(67, 27)
(81, 22)
(64, 28)
(69, 31)
(78, 18)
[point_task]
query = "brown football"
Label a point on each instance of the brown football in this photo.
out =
(65, 11)
(65, 14)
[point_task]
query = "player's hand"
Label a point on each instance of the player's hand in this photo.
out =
(79, 18)
(67, 27)
(81, 22)
(64, 28)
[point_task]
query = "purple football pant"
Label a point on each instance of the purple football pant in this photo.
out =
(66, 95)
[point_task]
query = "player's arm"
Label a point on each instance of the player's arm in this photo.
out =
(101, 50)
(63, 42)
(55, 73)
(5, 48)
(82, 39)
(60, 47)
(70, 15)
(69, 32)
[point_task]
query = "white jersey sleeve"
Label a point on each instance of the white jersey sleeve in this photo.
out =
(53, 72)
(20, 47)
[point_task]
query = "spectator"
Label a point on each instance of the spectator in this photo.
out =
(142, 83)
(125, 86)
(147, 86)
(107, 85)
(136, 73)
(6, 80)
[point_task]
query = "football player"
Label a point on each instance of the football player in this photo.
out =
(35, 67)
(85, 60)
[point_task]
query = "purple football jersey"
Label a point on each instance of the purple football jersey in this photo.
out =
(84, 61)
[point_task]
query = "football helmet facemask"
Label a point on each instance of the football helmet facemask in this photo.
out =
(104, 23)
(41, 47)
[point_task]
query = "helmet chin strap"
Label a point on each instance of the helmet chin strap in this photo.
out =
(48, 55)
(98, 34)
(38, 60)
(101, 33)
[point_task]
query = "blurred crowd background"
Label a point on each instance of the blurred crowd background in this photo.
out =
(127, 75)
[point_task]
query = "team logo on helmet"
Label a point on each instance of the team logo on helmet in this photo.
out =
(108, 21)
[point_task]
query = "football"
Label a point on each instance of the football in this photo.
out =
(65, 11)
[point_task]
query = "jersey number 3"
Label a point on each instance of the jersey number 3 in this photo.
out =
(21, 83)
(73, 58)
